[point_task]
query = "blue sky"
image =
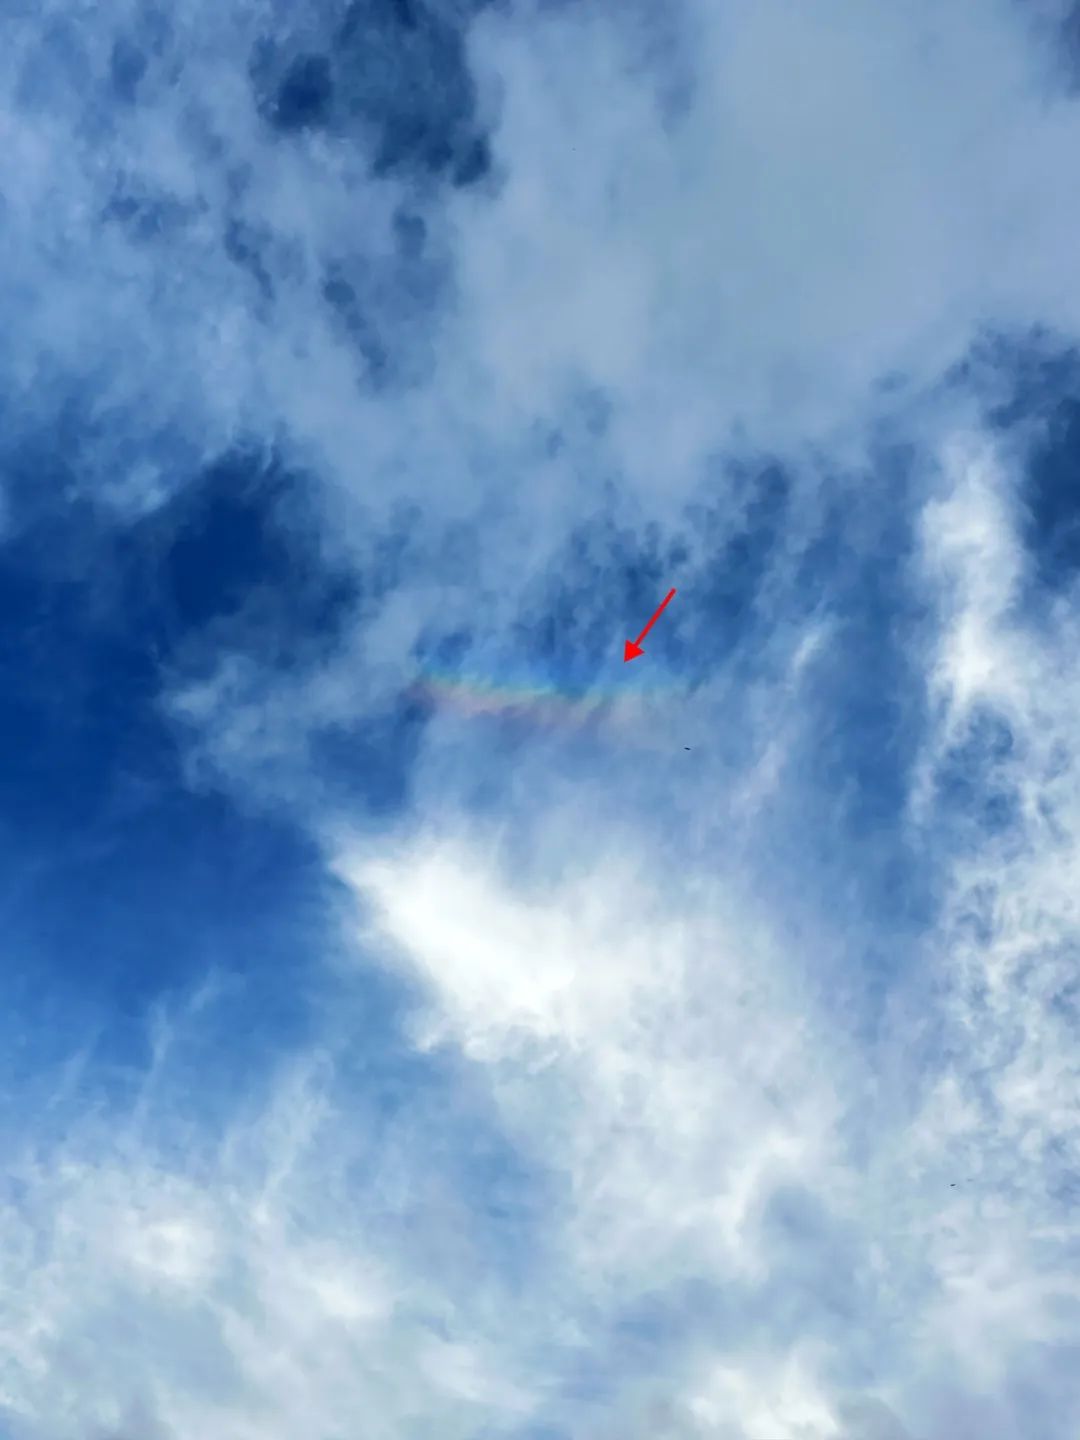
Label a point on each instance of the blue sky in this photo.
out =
(414, 1020)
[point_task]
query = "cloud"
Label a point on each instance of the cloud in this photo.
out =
(777, 237)
(231, 1295)
(688, 1054)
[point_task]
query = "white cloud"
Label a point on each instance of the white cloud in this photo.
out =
(842, 197)
(775, 233)
(224, 1306)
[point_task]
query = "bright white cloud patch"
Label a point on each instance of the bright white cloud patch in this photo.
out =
(640, 1007)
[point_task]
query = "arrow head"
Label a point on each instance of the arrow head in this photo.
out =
(631, 651)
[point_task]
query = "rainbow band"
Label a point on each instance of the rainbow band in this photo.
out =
(538, 704)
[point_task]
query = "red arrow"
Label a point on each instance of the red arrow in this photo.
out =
(632, 649)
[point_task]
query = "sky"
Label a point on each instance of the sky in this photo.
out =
(415, 1020)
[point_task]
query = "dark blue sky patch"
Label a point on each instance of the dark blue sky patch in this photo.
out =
(1051, 498)
(392, 71)
(108, 856)
(722, 595)
(137, 52)
(411, 233)
(127, 66)
(41, 475)
(138, 904)
(471, 161)
(1030, 387)
(70, 684)
(119, 884)
(1069, 36)
(402, 70)
(1020, 379)
(305, 94)
(219, 541)
(236, 563)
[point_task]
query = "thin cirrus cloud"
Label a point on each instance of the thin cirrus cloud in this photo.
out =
(504, 1044)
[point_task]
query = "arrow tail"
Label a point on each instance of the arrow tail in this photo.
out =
(659, 611)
